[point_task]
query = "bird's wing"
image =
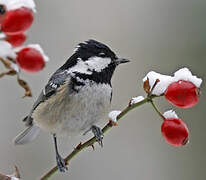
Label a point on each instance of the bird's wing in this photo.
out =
(56, 80)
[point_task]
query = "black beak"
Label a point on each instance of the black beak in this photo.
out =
(121, 61)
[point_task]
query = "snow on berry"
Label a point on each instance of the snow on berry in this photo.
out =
(15, 67)
(34, 46)
(2, 35)
(38, 48)
(113, 116)
(175, 131)
(137, 99)
(16, 39)
(31, 58)
(185, 75)
(170, 114)
(162, 85)
(17, 21)
(16, 4)
(6, 50)
(165, 80)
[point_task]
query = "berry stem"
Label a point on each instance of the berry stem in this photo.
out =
(149, 97)
(156, 109)
(155, 84)
(7, 64)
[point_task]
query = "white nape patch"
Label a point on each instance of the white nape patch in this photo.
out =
(182, 74)
(80, 67)
(113, 115)
(136, 100)
(35, 46)
(170, 114)
(98, 63)
(16, 4)
(6, 50)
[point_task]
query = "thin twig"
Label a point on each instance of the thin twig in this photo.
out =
(9, 73)
(91, 141)
(156, 109)
(4, 177)
(151, 100)
(10, 177)
(25, 86)
(8, 65)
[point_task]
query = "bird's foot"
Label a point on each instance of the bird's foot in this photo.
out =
(61, 165)
(98, 134)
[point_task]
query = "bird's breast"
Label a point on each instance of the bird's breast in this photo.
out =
(73, 113)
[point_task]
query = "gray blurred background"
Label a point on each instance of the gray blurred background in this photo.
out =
(160, 35)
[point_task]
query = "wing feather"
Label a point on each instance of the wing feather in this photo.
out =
(54, 83)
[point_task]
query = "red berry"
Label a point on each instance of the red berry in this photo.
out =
(183, 94)
(175, 132)
(17, 21)
(30, 60)
(16, 40)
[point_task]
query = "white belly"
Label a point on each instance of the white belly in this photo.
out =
(70, 115)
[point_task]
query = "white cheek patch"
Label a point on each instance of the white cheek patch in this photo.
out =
(94, 63)
(98, 63)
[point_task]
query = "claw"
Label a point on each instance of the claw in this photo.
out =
(98, 134)
(61, 163)
(92, 145)
(78, 146)
(112, 123)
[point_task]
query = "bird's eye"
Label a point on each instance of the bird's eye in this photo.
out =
(102, 54)
(2, 9)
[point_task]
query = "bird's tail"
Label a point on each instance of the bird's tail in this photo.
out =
(29, 134)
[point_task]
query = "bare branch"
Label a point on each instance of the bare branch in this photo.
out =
(91, 141)
(25, 86)
(16, 175)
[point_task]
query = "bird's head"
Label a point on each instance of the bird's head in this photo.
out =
(98, 55)
(92, 58)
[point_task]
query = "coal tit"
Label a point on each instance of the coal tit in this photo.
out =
(76, 97)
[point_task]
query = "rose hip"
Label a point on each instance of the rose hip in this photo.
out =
(183, 94)
(16, 39)
(30, 60)
(175, 132)
(17, 21)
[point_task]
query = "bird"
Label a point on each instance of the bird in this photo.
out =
(77, 96)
